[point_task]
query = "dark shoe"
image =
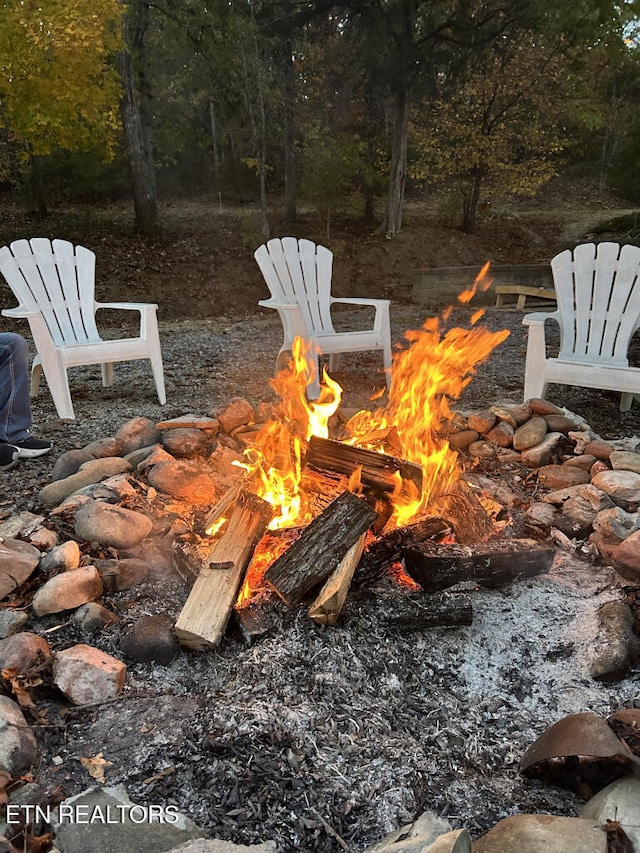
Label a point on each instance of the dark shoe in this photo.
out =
(8, 457)
(31, 446)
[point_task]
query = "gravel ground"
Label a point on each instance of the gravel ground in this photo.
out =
(325, 740)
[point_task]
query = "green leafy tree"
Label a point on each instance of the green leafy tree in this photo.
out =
(58, 87)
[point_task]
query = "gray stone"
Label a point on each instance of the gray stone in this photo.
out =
(619, 802)
(11, 621)
(64, 556)
(540, 514)
(137, 458)
(151, 639)
(216, 845)
(413, 838)
(576, 519)
(87, 675)
(69, 463)
(625, 460)
(113, 526)
(623, 487)
(90, 472)
(534, 833)
(615, 647)
(131, 832)
(67, 591)
(22, 651)
(136, 433)
(597, 499)
(18, 750)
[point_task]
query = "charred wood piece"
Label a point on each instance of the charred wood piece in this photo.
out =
(378, 472)
(320, 548)
(438, 567)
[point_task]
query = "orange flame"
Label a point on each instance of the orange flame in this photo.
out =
(275, 459)
(433, 370)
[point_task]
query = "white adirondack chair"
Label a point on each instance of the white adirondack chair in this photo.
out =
(298, 275)
(598, 294)
(54, 284)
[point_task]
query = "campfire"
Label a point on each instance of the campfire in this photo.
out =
(317, 490)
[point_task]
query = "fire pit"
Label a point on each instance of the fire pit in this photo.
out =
(326, 736)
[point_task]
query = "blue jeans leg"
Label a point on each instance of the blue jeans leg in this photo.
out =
(15, 408)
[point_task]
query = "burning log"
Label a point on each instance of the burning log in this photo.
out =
(468, 517)
(320, 548)
(389, 548)
(326, 609)
(378, 472)
(437, 567)
(203, 619)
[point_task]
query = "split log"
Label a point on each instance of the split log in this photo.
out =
(412, 612)
(203, 620)
(230, 497)
(470, 521)
(493, 564)
(327, 607)
(379, 472)
(320, 548)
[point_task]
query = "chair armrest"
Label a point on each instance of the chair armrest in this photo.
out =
(273, 303)
(127, 306)
(353, 300)
(19, 313)
(539, 317)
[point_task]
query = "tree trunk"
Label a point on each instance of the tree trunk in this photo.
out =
(289, 112)
(397, 168)
(470, 204)
(138, 136)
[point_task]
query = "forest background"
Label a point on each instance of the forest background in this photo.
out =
(344, 108)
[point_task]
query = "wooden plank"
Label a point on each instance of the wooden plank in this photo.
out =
(522, 291)
(327, 607)
(320, 548)
(203, 620)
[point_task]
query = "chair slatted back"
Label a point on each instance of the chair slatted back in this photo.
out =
(299, 272)
(598, 295)
(56, 279)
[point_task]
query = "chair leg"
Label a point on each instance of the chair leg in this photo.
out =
(387, 361)
(626, 399)
(58, 382)
(313, 366)
(36, 375)
(334, 361)
(107, 375)
(157, 369)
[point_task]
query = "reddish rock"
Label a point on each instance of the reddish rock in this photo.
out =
(561, 476)
(600, 449)
(87, 675)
